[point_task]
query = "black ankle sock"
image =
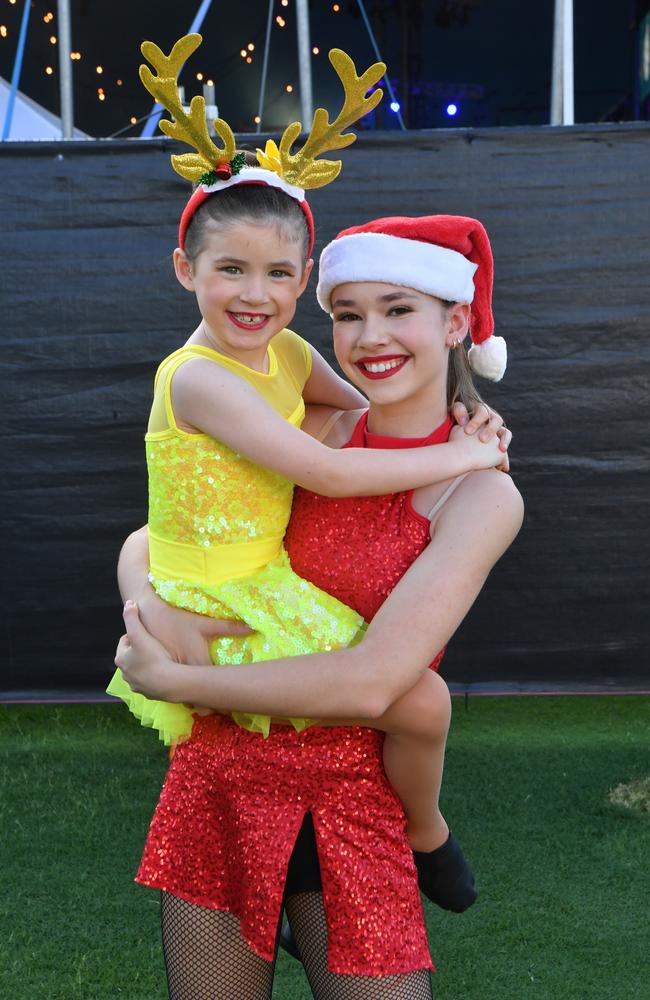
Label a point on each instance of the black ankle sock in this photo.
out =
(445, 877)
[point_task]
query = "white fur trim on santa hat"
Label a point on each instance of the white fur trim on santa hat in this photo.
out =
(258, 174)
(489, 358)
(425, 267)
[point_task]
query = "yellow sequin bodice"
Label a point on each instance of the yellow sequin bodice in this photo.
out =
(216, 524)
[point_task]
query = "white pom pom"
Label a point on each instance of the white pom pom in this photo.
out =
(489, 358)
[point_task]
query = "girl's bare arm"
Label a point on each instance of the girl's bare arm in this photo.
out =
(209, 399)
(418, 618)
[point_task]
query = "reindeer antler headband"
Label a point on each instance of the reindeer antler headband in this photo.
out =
(215, 167)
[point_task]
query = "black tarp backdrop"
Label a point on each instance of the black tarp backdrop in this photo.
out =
(91, 305)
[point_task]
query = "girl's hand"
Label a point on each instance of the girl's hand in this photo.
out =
(147, 666)
(488, 423)
(479, 454)
(185, 635)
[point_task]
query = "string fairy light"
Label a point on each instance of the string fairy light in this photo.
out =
(49, 70)
(3, 30)
(280, 21)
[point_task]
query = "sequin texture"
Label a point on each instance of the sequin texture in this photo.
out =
(233, 803)
(206, 501)
(228, 816)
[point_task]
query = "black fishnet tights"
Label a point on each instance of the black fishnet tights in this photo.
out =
(306, 916)
(206, 957)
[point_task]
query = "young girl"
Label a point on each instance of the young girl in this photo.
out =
(395, 327)
(222, 462)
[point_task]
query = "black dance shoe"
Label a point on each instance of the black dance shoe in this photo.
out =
(445, 877)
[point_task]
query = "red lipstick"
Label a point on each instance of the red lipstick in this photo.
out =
(362, 362)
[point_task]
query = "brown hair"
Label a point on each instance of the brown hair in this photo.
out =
(256, 203)
(460, 380)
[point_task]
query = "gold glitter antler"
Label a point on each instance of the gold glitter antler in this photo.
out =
(302, 168)
(190, 129)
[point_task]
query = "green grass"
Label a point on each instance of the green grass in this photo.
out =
(563, 911)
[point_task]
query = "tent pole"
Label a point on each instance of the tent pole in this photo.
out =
(562, 100)
(154, 117)
(373, 42)
(304, 64)
(267, 46)
(15, 76)
(65, 68)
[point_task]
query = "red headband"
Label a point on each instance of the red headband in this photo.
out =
(202, 194)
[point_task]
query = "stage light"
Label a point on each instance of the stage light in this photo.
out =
(119, 83)
(249, 59)
(99, 69)
(336, 8)
(452, 109)
(242, 53)
(394, 106)
(251, 47)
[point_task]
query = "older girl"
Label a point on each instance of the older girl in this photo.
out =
(399, 291)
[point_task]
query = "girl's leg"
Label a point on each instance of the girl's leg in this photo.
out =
(416, 728)
(206, 957)
(309, 926)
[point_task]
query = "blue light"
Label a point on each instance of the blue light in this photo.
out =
(394, 106)
(452, 109)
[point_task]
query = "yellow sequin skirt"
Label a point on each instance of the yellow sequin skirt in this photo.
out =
(290, 617)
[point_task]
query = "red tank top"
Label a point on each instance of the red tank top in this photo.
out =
(358, 548)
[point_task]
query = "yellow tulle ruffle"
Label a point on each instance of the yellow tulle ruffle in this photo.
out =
(290, 617)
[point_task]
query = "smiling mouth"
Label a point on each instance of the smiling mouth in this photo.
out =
(249, 321)
(374, 368)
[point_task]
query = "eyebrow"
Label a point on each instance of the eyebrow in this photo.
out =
(235, 260)
(389, 297)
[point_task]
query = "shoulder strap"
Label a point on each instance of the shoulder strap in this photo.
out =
(445, 496)
(329, 423)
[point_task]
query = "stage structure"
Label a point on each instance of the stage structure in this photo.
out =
(92, 306)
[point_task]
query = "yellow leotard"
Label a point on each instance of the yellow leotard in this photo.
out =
(216, 524)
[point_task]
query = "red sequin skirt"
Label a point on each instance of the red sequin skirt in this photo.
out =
(227, 819)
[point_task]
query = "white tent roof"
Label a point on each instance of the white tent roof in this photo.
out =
(29, 119)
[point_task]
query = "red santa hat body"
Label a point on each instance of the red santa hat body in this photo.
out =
(447, 256)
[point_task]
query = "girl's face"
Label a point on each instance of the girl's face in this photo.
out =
(247, 280)
(393, 342)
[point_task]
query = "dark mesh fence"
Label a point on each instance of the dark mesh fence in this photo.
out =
(91, 306)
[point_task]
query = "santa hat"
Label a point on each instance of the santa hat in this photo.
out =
(246, 175)
(448, 256)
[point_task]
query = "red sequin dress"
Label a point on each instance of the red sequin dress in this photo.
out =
(233, 803)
